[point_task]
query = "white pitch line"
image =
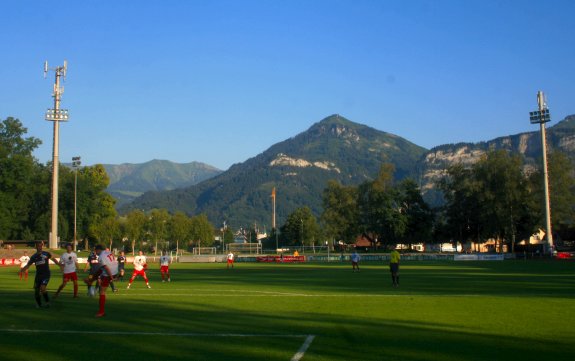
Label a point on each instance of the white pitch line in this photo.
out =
(268, 294)
(252, 295)
(142, 292)
(302, 350)
(141, 333)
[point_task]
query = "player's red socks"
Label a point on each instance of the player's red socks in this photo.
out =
(75, 290)
(102, 304)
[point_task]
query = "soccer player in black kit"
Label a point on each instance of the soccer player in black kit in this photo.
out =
(92, 263)
(41, 259)
(121, 266)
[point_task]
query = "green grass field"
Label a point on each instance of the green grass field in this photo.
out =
(512, 310)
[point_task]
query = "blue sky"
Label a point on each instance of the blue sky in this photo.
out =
(221, 81)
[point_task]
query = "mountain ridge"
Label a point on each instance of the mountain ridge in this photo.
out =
(560, 136)
(130, 180)
(299, 167)
(334, 148)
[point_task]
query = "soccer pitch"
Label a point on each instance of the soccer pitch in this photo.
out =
(511, 310)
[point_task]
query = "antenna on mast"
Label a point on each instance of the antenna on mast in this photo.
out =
(45, 68)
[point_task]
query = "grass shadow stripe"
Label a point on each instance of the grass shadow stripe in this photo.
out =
(143, 333)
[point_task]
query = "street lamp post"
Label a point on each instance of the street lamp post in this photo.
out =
(56, 115)
(76, 162)
(302, 244)
(541, 117)
(223, 237)
(273, 196)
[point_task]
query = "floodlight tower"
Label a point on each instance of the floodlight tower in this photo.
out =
(541, 117)
(56, 115)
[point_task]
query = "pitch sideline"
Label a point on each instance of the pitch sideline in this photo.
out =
(296, 357)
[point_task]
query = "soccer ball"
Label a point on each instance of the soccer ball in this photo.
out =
(91, 291)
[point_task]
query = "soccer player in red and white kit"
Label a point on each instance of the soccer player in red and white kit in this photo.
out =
(108, 270)
(69, 262)
(165, 261)
(140, 265)
(230, 260)
(23, 262)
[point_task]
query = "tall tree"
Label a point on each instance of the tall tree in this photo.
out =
(461, 212)
(179, 226)
(134, 227)
(157, 225)
(379, 206)
(300, 228)
(94, 204)
(105, 230)
(201, 230)
(340, 215)
(502, 195)
(19, 175)
(418, 214)
(561, 172)
(490, 200)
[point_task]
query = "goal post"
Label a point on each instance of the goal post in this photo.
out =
(204, 250)
(249, 248)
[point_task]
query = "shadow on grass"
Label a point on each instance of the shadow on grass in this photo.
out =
(347, 328)
(516, 279)
(341, 334)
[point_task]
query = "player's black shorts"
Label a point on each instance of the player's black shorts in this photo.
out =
(41, 280)
(394, 267)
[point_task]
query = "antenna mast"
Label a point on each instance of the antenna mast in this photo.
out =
(56, 115)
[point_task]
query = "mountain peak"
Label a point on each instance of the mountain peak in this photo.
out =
(337, 126)
(336, 119)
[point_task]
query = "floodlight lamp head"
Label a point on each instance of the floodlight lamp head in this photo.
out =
(45, 68)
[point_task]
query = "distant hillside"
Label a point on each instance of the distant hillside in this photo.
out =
(299, 167)
(335, 148)
(129, 181)
(432, 166)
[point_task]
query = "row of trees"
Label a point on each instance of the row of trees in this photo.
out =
(25, 209)
(492, 199)
(156, 228)
(384, 211)
(496, 199)
(25, 187)
(380, 209)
